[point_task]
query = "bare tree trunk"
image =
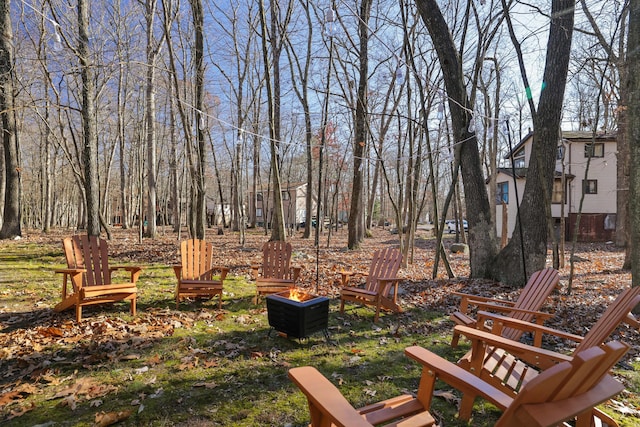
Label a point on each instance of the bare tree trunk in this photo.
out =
(89, 154)
(11, 219)
(278, 231)
(255, 179)
(47, 202)
(124, 207)
(632, 86)
(238, 194)
(198, 55)
(356, 225)
(150, 119)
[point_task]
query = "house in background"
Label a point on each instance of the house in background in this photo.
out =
(293, 203)
(575, 149)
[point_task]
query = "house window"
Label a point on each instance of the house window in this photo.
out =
(258, 212)
(590, 186)
(259, 197)
(560, 152)
(502, 193)
(285, 195)
(559, 195)
(594, 150)
(518, 159)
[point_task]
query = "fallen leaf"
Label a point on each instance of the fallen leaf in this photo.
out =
(103, 419)
(10, 397)
(447, 395)
(154, 360)
(209, 385)
(210, 363)
(51, 332)
(69, 401)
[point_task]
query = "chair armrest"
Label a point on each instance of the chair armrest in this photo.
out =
(388, 282)
(632, 321)
(75, 274)
(500, 322)
(223, 271)
(540, 316)
(133, 269)
(255, 270)
(532, 355)
(470, 299)
(437, 368)
(296, 272)
(346, 275)
(324, 397)
(177, 270)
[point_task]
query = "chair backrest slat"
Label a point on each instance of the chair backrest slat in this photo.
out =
(276, 258)
(197, 258)
(90, 253)
(384, 264)
(536, 291)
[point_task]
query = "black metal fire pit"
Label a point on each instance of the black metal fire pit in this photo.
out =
(298, 319)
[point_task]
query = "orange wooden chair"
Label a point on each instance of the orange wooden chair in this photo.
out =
(90, 275)
(381, 286)
(510, 365)
(275, 274)
(195, 273)
(565, 392)
(533, 295)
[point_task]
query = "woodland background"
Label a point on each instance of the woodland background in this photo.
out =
(166, 112)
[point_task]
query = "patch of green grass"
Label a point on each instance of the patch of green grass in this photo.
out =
(210, 366)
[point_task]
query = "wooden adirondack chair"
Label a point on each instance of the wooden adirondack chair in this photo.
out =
(195, 274)
(510, 365)
(567, 391)
(90, 275)
(538, 288)
(381, 286)
(275, 274)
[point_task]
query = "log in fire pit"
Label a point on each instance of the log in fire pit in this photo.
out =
(298, 314)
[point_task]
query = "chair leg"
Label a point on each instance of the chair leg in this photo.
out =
(133, 306)
(455, 339)
(78, 313)
(341, 305)
(466, 406)
(220, 301)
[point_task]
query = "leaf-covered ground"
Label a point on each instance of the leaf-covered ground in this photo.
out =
(197, 365)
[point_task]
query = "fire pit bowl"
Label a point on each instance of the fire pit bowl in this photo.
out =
(298, 318)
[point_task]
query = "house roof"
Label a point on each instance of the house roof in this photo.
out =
(521, 173)
(569, 135)
(588, 136)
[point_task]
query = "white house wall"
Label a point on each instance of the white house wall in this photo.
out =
(602, 169)
(512, 210)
